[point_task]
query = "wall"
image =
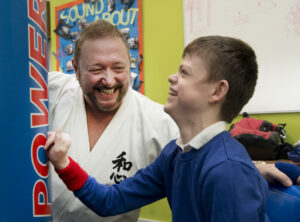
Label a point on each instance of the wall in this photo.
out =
(163, 45)
(257, 22)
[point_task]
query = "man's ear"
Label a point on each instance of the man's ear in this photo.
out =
(75, 68)
(220, 90)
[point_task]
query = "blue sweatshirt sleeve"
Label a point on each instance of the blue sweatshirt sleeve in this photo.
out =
(145, 187)
(234, 191)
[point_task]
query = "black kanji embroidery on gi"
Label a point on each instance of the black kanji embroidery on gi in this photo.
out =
(120, 163)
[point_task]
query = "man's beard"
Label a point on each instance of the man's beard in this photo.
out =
(109, 108)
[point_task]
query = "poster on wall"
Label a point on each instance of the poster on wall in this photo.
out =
(69, 17)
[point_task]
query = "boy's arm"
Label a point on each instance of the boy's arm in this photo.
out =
(73, 175)
(145, 187)
(233, 191)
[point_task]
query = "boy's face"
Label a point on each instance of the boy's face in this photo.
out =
(189, 91)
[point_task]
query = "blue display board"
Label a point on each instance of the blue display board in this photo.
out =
(72, 16)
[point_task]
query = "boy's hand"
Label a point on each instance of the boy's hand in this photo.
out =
(57, 146)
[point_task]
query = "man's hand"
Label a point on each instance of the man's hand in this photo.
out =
(57, 146)
(274, 175)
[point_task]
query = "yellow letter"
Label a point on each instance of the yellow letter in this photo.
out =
(135, 10)
(74, 10)
(101, 7)
(89, 8)
(122, 16)
(112, 17)
(106, 16)
(63, 16)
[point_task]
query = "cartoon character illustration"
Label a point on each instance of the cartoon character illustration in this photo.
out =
(133, 43)
(92, 1)
(127, 3)
(63, 30)
(82, 23)
(125, 31)
(69, 49)
(111, 5)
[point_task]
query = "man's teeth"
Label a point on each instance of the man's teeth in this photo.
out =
(107, 91)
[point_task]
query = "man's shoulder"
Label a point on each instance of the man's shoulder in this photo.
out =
(56, 79)
(152, 115)
(60, 83)
(61, 96)
(61, 75)
(143, 100)
(148, 107)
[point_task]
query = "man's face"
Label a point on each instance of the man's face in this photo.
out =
(103, 73)
(189, 91)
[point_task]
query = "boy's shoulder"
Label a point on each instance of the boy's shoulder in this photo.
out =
(227, 159)
(169, 151)
(171, 147)
(225, 148)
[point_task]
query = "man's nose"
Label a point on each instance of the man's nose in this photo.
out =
(108, 78)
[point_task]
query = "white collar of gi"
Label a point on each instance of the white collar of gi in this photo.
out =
(203, 137)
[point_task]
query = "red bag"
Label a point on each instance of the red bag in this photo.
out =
(263, 140)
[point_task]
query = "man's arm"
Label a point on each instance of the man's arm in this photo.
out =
(279, 174)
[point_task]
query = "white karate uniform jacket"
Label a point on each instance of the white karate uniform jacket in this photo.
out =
(132, 140)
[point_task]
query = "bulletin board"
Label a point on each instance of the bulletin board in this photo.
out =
(69, 17)
(272, 28)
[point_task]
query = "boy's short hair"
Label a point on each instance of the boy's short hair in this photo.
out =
(97, 30)
(230, 59)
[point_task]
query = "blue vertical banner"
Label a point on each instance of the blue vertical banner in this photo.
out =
(24, 190)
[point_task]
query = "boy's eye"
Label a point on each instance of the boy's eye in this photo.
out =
(183, 71)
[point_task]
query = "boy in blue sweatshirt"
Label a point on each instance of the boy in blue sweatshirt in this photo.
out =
(205, 174)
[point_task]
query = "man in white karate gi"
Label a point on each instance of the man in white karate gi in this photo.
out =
(115, 130)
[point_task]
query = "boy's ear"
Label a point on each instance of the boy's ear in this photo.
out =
(220, 91)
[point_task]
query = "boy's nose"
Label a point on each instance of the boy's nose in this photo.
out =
(172, 78)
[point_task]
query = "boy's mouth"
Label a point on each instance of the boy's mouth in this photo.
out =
(172, 92)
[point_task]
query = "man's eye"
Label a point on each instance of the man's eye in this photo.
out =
(95, 70)
(119, 68)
